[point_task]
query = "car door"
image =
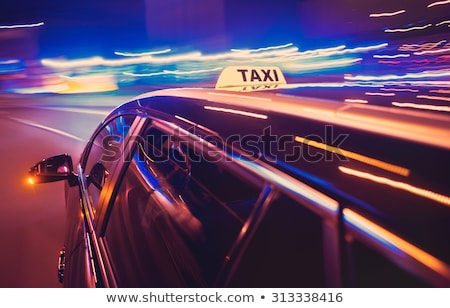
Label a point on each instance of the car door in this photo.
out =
(102, 156)
(176, 212)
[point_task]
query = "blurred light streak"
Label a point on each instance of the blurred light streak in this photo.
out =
(72, 63)
(177, 72)
(387, 14)
(322, 52)
(402, 55)
(149, 59)
(438, 3)
(426, 74)
(86, 77)
(443, 23)
(238, 112)
(399, 185)
(442, 83)
(195, 55)
(88, 83)
(420, 47)
(403, 84)
(308, 54)
(39, 24)
(8, 66)
(416, 83)
(146, 74)
(247, 55)
(359, 101)
(238, 96)
(360, 49)
(11, 61)
(408, 29)
(185, 120)
(78, 110)
(318, 85)
(141, 54)
(440, 91)
(422, 106)
(321, 65)
(50, 129)
(41, 89)
(426, 52)
(428, 61)
(379, 94)
(439, 98)
(99, 61)
(283, 53)
(389, 62)
(355, 156)
(399, 90)
(262, 49)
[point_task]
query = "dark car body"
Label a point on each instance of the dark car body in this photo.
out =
(217, 188)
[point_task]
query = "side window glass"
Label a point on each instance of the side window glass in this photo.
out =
(368, 268)
(106, 149)
(286, 250)
(169, 225)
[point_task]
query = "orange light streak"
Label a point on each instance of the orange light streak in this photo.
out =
(428, 194)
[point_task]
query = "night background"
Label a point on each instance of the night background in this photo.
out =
(33, 31)
(99, 53)
(101, 27)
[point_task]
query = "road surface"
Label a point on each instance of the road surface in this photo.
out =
(32, 217)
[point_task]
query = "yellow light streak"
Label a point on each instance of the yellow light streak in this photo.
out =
(422, 106)
(439, 98)
(355, 156)
(440, 91)
(399, 185)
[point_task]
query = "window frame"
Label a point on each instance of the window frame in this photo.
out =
(330, 219)
(94, 250)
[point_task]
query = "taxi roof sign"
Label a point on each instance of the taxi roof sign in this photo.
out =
(250, 78)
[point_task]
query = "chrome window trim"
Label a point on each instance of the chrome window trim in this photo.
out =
(322, 205)
(398, 250)
(93, 220)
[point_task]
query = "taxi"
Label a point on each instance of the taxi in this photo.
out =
(247, 185)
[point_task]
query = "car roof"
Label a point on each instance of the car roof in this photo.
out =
(275, 104)
(413, 125)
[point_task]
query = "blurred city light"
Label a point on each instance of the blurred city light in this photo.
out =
(390, 49)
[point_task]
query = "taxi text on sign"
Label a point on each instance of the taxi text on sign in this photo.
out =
(237, 76)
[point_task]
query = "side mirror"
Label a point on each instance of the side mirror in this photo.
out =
(55, 168)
